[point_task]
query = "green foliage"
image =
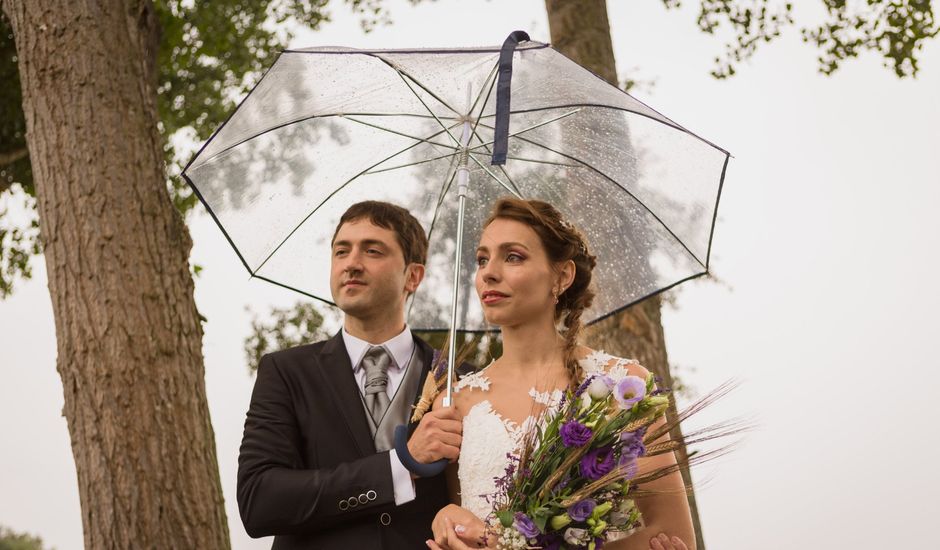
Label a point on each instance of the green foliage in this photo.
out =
(10, 540)
(210, 54)
(895, 29)
(286, 328)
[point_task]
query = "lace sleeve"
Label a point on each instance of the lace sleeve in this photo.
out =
(599, 362)
(474, 380)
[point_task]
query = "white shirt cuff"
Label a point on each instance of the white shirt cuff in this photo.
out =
(402, 485)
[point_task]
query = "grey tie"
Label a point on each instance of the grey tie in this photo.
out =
(376, 364)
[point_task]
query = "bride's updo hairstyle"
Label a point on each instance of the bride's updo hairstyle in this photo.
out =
(562, 242)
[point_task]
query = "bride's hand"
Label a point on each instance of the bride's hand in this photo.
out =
(456, 528)
(663, 542)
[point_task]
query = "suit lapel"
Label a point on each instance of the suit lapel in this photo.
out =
(338, 373)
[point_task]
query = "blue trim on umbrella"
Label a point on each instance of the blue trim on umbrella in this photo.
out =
(501, 146)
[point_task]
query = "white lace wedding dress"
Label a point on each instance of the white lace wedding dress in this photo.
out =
(488, 437)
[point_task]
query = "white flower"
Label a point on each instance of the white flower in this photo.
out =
(577, 537)
(599, 388)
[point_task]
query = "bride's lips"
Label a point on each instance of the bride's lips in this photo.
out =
(491, 297)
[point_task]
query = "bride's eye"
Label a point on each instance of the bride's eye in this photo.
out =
(514, 257)
(481, 261)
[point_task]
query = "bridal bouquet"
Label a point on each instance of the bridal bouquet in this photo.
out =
(574, 483)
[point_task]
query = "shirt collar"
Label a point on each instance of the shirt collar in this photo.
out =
(401, 347)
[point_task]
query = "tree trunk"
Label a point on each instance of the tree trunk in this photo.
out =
(581, 31)
(128, 333)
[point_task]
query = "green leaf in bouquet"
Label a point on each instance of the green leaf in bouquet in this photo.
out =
(505, 518)
(540, 517)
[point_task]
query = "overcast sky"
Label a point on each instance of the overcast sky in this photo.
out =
(826, 249)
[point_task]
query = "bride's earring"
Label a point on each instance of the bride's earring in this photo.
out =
(555, 295)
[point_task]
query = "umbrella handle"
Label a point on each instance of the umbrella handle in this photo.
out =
(408, 461)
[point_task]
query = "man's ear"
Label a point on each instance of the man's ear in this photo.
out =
(414, 274)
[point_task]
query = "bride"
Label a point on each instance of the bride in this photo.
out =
(534, 274)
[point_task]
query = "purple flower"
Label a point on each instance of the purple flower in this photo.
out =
(440, 365)
(550, 541)
(575, 434)
(632, 444)
(630, 390)
(579, 511)
(525, 526)
(628, 465)
(597, 463)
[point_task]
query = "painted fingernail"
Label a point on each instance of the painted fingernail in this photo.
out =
(428, 543)
(460, 529)
(663, 537)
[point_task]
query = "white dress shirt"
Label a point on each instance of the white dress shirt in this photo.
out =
(401, 348)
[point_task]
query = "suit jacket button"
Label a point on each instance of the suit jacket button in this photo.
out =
(385, 519)
(371, 494)
(352, 502)
(363, 499)
(343, 505)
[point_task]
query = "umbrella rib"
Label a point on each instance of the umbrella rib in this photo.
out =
(515, 188)
(440, 199)
(328, 197)
(489, 91)
(515, 191)
(530, 128)
(625, 190)
(454, 154)
(536, 161)
(302, 119)
(437, 208)
(389, 130)
(402, 74)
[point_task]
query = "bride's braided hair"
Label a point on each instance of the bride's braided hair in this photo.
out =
(562, 242)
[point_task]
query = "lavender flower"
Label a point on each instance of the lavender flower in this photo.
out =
(439, 367)
(579, 511)
(632, 443)
(628, 465)
(597, 463)
(630, 390)
(575, 434)
(525, 525)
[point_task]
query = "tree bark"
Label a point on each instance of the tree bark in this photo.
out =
(128, 333)
(580, 30)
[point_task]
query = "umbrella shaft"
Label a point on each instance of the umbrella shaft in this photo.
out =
(463, 178)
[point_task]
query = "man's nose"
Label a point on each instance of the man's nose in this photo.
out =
(353, 262)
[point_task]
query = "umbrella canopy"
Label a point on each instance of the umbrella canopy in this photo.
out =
(329, 127)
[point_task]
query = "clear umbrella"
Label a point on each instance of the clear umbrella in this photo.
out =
(434, 131)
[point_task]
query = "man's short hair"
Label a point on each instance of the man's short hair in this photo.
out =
(410, 234)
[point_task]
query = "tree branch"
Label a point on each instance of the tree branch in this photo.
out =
(12, 156)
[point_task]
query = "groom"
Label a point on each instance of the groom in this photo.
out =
(316, 467)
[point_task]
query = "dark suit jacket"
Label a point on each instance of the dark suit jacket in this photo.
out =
(307, 448)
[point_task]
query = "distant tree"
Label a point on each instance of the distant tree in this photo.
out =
(11, 540)
(284, 328)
